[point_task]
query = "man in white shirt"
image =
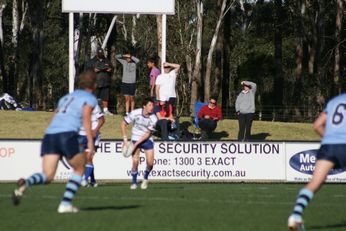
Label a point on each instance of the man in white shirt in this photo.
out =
(165, 83)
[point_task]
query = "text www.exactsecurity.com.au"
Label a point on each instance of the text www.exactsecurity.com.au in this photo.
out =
(202, 173)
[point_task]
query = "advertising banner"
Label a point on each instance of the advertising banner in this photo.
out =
(205, 161)
(195, 161)
(300, 163)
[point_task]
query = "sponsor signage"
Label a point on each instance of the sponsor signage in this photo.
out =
(188, 161)
(216, 161)
(301, 160)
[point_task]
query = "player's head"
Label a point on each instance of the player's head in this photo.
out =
(212, 102)
(245, 86)
(99, 53)
(87, 80)
(148, 105)
(166, 68)
(152, 62)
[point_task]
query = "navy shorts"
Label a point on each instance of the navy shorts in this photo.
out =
(83, 142)
(146, 145)
(335, 153)
(65, 144)
(128, 89)
(102, 93)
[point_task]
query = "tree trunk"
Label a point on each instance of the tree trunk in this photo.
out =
(78, 37)
(196, 76)
(37, 15)
(226, 65)
(218, 68)
(338, 25)
(211, 52)
(297, 91)
(159, 35)
(17, 28)
(2, 59)
(278, 81)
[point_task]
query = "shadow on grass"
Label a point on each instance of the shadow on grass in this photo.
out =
(219, 135)
(259, 136)
(327, 227)
(109, 207)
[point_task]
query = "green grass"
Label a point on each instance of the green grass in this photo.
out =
(32, 125)
(173, 207)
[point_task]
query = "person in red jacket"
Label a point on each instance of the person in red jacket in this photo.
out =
(208, 117)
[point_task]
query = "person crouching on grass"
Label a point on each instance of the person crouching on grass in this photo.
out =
(144, 122)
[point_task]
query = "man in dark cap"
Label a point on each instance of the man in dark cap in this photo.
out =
(103, 68)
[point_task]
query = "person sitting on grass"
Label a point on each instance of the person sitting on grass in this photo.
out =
(208, 117)
(166, 122)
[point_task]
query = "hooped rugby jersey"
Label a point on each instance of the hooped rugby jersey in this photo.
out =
(96, 114)
(141, 124)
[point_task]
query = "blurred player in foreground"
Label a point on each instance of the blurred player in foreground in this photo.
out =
(144, 121)
(61, 140)
(331, 126)
(97, 121)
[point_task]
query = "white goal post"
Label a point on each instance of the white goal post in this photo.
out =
(154, 7)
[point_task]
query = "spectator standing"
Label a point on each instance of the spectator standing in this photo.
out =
(245, 109)
(208, 117)
(103, 69)
(154, 72)
(128, 86)
(165, 83)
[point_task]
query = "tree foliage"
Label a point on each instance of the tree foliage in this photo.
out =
(293, 50)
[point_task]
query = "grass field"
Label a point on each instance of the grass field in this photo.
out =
(173, 207)
(22, 125)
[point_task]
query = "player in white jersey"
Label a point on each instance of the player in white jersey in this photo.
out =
(97, 121)
(331, 126)
(144, 122)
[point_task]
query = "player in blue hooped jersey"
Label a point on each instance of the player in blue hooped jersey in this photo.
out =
(331, 126)
(61, 140)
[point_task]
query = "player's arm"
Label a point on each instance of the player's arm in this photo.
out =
(175, 66)
(86, 120)
(157, 89)
(320, 124)
(100, 123)
(123, 132)
(153, 86)
(134, 59)
(142, 139)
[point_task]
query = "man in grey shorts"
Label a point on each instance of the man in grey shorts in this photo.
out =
(128, 85)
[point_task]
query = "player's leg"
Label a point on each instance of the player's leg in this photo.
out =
(89, 168)
(132, 100)
(241, 122)
(134, 170)
(248, 125)
(127, 104)
(76, 158)
(149, 154)
(77, 162)
(49, 166)
(305, 195)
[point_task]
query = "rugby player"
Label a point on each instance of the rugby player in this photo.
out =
(61, 140)
(331, 126)
(97, 121)
(144, 121)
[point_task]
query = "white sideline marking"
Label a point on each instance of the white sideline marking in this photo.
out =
(185, 200)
